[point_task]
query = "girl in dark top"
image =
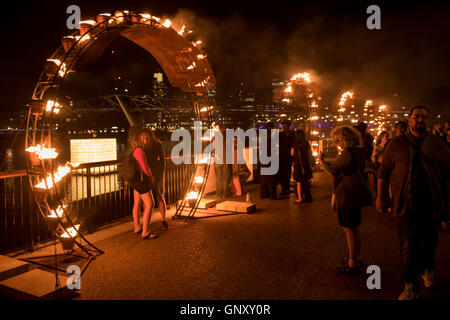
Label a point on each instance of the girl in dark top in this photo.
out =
(142, 187)
(350, 190)
(301, 151)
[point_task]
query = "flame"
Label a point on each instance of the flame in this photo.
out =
(315, 154)
(198, 180)
(52, 104)
(156, 18)
(146, 15)
(345, 96)
(315, 132)
(91, 22)
(383, 107)
(192, 66)
(43, 153)
(192, 195)
(167, 23)
(62, 70)
(204, 109)
(288, 89)
(204, 160)
(71, 232)
(58, 214)
(304, 76)
(59, 174)
(182, 30)
(314, 118)
(340, 119)
(201, 56)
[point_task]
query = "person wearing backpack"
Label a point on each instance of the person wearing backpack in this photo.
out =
(142, 185)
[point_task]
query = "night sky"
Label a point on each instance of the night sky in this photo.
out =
(405, 63)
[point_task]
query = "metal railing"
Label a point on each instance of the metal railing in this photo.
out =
(95, 193)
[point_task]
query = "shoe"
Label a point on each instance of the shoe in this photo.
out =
(139, 232)
(428, 279)
(408, 293)
(164, 225)
(150, 236)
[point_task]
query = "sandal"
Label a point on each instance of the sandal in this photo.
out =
(150, 236)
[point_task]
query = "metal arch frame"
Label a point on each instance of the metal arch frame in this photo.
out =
(46, 167)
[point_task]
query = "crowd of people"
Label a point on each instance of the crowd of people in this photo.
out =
(412, 182)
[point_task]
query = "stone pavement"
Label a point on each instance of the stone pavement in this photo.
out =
(283, 251)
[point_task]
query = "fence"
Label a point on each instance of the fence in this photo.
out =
(94, 191)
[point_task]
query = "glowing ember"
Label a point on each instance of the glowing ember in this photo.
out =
(315, 154)
(285, 100)
(48, 182)
(192, 195)
(200, 56)
(71, 232)
(43, 153)
(198, 180)
(204, 109)
(383, 107)
(167, 23)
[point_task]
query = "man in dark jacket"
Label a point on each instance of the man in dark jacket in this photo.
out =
(416, 166)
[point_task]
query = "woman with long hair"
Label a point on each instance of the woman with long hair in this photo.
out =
(301, 151)
(350, 190)
(380, 144)
(156, 160)
(142, 187)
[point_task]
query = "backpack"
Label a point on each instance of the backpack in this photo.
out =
(128, 169)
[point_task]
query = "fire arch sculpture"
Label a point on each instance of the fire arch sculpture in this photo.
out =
(186, 67)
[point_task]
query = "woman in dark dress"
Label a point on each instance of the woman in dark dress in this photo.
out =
(350, 190)
(301, 151)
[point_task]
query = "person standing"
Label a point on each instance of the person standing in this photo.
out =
(350, 190)
(416, 167)
(287, 138)
(400, 128)
(154, 151)
(377, 154)
(367, 139)
(142, 186)
(303, 159)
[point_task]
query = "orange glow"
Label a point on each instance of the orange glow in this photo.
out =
(198, 180)
(345, 96)
(52, 104)
(167, 23)
(71, 232)
(192, 195)
(304, 76)
(58, 214)
(288, 89)
(48, 182)
(43, 153)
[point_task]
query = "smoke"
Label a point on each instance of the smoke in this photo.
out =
(403, 64)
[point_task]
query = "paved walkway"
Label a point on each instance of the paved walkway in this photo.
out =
(283, 251)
